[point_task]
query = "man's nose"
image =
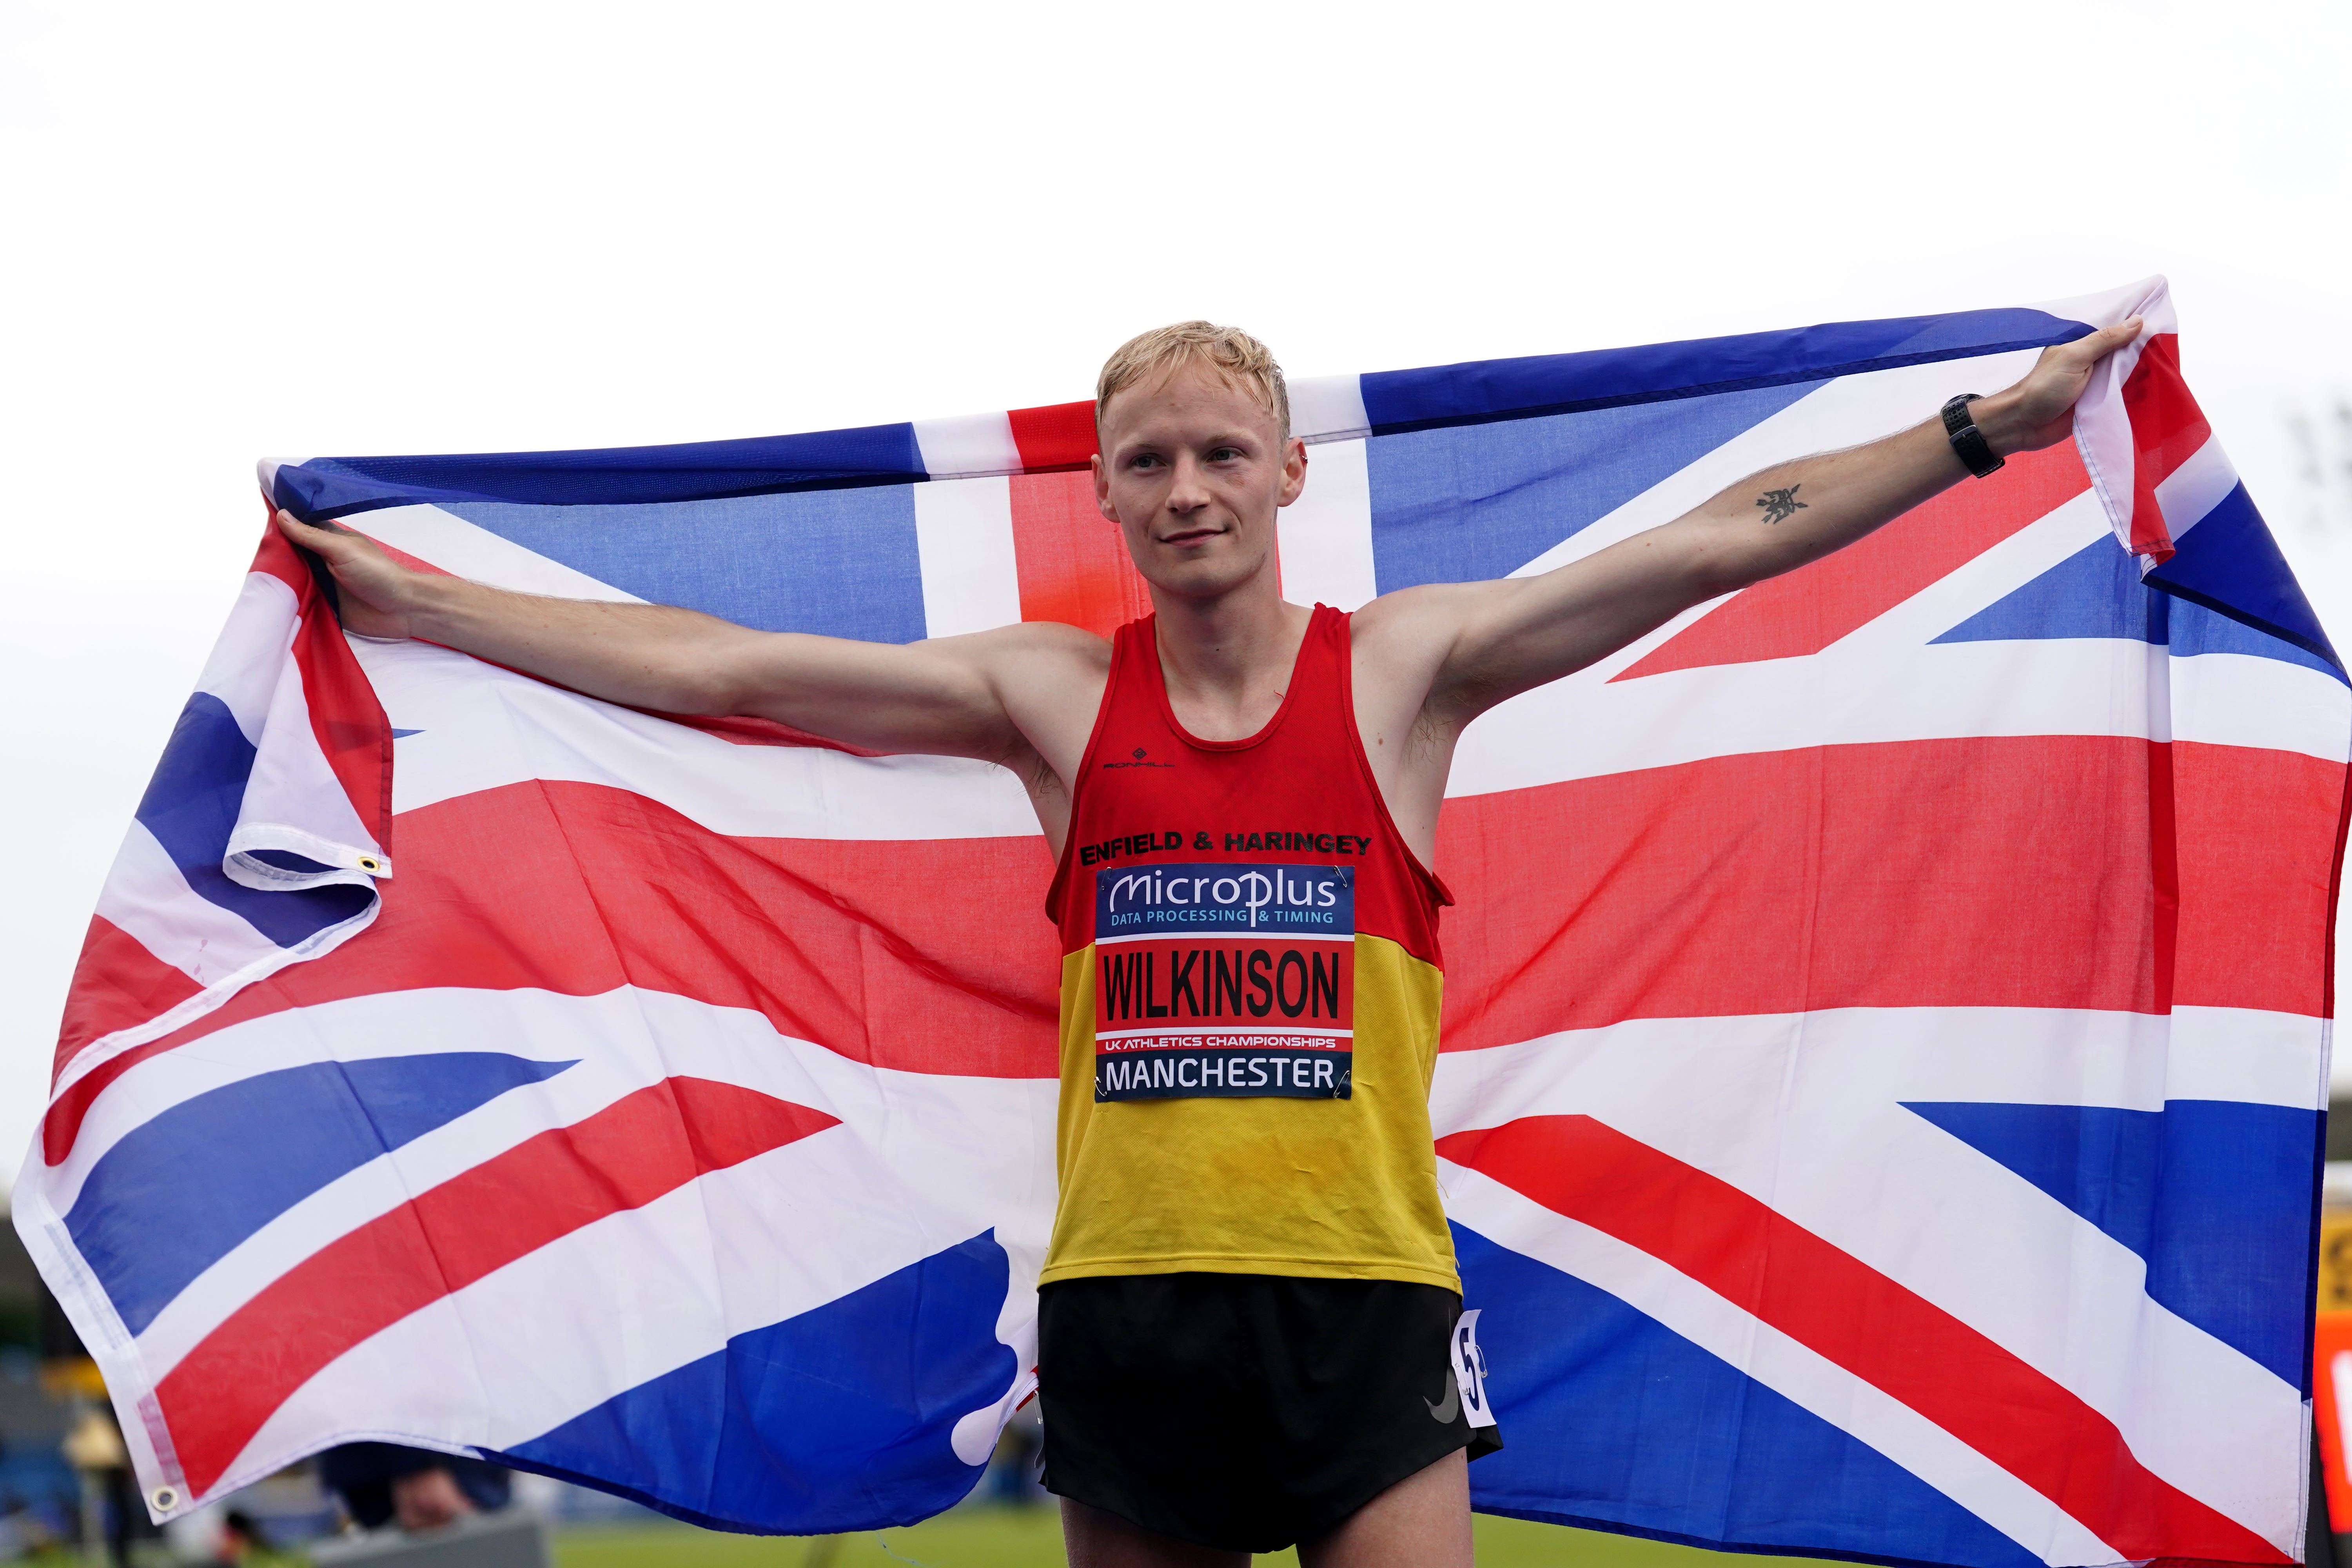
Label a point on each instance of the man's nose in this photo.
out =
(1189, 492)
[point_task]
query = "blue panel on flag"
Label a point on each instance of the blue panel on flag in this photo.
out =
(2215, 1195)
(1503, 389)
(841, 563)
(1612, 1420)
(1476, 501)
(2196, 629)
(2229, 563)
(694, 470)
(2096, 593)
(2093, 592)
(191, 806)
(835, 1420)
(176, 1192)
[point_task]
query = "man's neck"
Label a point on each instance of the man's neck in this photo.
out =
(1227, 660)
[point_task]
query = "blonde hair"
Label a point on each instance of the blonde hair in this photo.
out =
(1229, 350)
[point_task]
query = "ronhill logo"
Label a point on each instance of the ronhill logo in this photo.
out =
(1138, 758)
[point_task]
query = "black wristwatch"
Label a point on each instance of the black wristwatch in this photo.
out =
(1967, 439)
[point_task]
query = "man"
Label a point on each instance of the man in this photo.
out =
(1245, 1308)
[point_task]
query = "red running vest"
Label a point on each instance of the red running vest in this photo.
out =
(1250, 990)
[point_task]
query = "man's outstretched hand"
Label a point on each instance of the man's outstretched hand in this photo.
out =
(2039, 411)
(379, 594)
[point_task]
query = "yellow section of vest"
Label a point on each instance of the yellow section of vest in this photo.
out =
(1326, 1189)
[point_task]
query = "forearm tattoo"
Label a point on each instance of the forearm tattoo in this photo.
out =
(1781, 505)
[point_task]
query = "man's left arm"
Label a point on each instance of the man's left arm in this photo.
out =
(1505, 638)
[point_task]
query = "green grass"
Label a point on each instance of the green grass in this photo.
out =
(1032, 1538)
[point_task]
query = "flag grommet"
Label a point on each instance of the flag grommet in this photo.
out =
(370, 863)
(165, 1498)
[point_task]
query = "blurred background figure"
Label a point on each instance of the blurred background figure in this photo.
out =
(93, 1446)
(1012, 1468)
(241, 1536)
(382, 1483)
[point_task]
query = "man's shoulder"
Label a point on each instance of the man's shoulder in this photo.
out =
(1041, 658)
(1423, 616)
(1052, 641)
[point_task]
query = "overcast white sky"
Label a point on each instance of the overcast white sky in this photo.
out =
(326, 229)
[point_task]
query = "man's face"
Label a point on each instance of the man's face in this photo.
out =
(1193, 469)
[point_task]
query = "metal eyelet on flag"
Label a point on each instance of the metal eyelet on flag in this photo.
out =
(165, 1498)
(370, 863)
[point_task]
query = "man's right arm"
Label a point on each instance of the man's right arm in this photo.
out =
(956, 697)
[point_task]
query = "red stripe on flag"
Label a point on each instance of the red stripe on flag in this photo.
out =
(414, 563)
(1811, 607)
(1071, 561)
(117, 982)
(2167, 428)
(1883, 1333)
(2018, 871)
(928, 955)
(274, 557)
(2255, 839)
(1056, 437)
(624, 1157)
(2164, 877)
(346, 718)
(746, 729)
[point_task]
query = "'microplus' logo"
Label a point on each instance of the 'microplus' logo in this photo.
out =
(1201, 900)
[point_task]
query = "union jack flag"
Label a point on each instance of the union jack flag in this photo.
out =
(1884, 1040)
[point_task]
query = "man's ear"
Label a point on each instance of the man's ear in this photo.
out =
(1102, 488)
(1294, 470)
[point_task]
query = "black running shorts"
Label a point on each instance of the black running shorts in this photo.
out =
(1245, 1411)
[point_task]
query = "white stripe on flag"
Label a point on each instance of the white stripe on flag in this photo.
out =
(479, 728)
(1585, 727)
(1329, 408)
(969, 445)
(2118, 1059)
(2244, 700)
(242, 670)
(2201, 483)
(963, 536)
(1326, 535)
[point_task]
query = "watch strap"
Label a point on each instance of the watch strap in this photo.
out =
(1967, 439)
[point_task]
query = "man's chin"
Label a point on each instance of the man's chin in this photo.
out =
(1200, 579)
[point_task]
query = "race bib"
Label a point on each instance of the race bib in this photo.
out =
(1470, 1371)
(1224, 980)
